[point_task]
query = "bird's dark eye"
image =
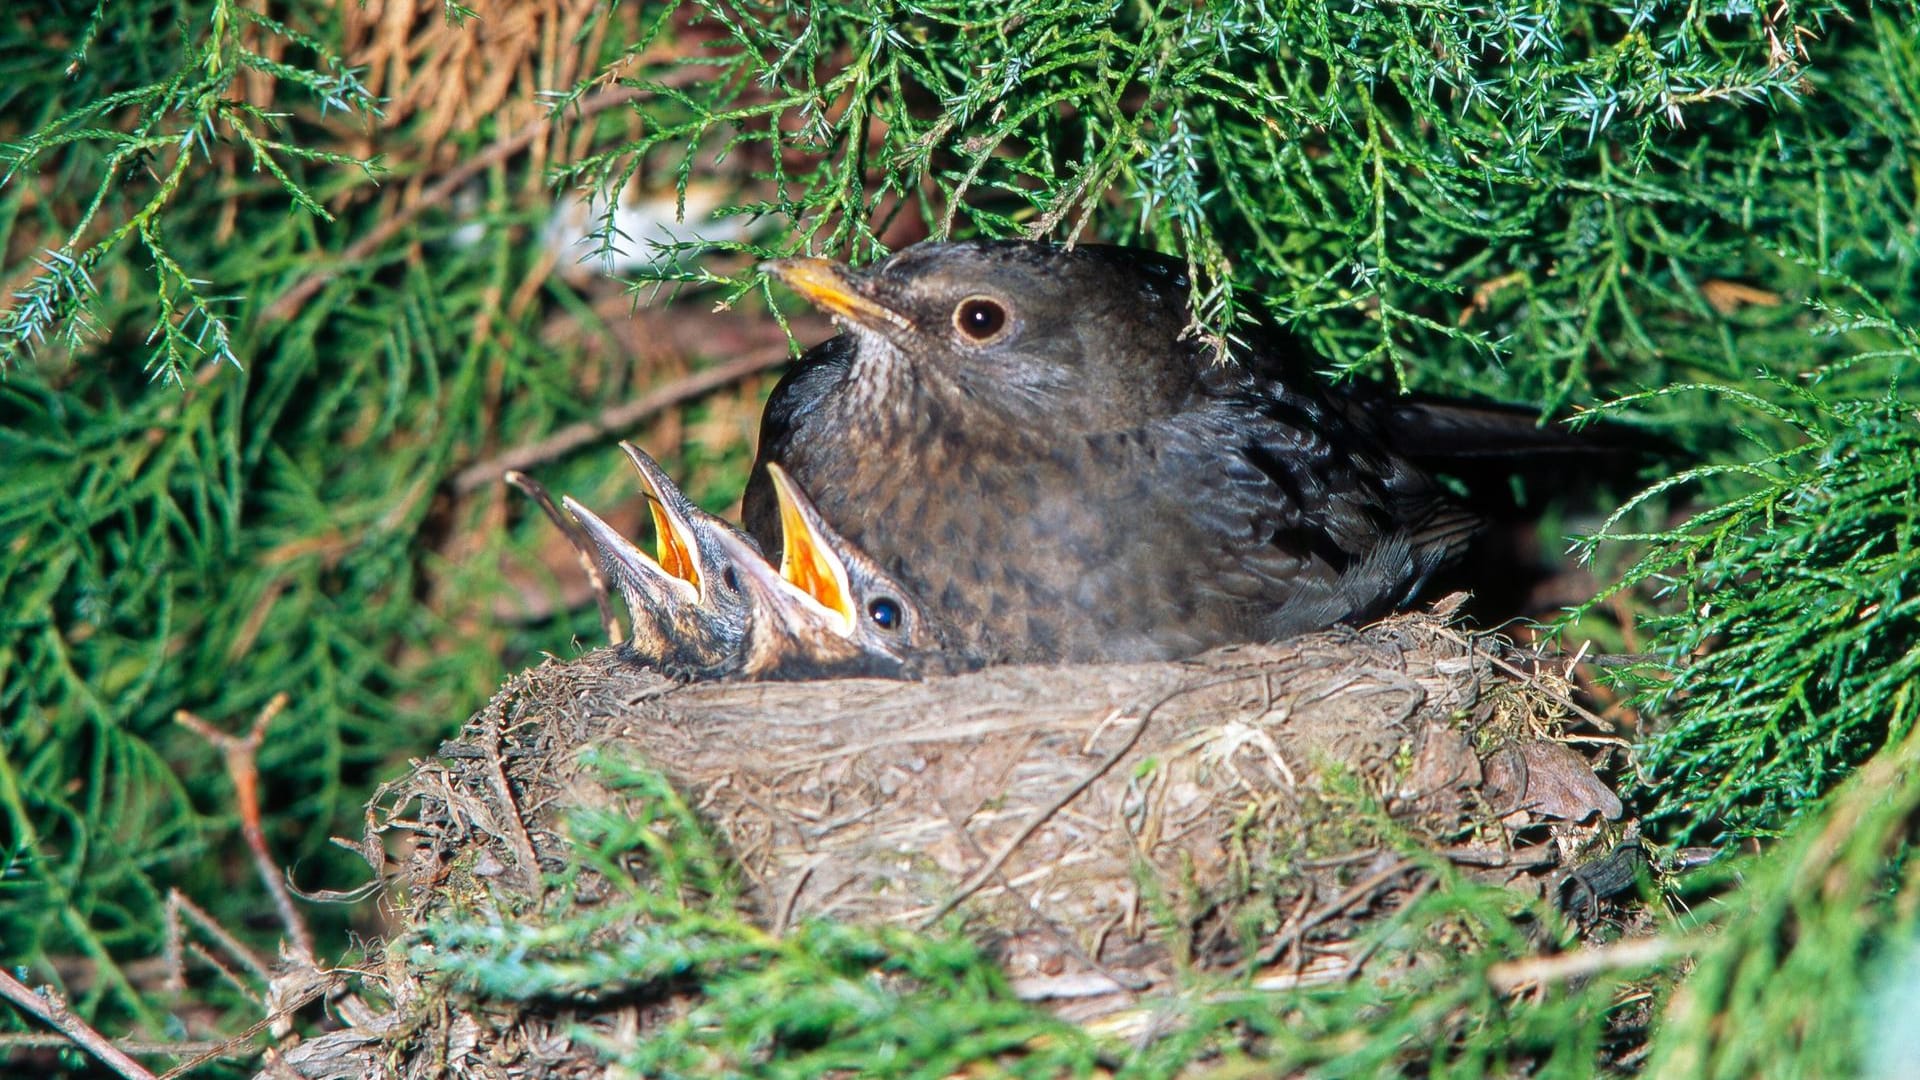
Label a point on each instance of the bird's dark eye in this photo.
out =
(979, 318)
(885, 612)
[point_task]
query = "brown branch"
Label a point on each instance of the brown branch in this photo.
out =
(439, 192)
(582, 547)
(245, 773)
(235, 1045)
(614, 421)
(179, 912)
(139, 1047)
(1510, 975)
(992, 868)
(1364, 890)
(517, 826)
(49, 1006)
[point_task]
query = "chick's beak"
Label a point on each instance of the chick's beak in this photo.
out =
(635, 572)
(833, 288)
(808, 560)
(675, 549)
(779, 607)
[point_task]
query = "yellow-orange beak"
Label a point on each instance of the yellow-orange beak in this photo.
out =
(807, 558)
(672, 534)
(641, 579)
(831, 287)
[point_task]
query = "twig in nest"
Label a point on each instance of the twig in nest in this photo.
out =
(1120, 982)
(582, 547)
(613, 421)
(1339, 904)
(987, 872)
(238, 1044)
(49, 1006)
(1582, 711)
(503, 789)
(243, 769)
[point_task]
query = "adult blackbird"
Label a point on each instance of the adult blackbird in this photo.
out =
(1033, 442)
(708, 605)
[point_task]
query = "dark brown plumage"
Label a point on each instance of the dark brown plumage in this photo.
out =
(1030, 440)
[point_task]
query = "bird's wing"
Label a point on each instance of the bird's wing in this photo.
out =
(1298, 517)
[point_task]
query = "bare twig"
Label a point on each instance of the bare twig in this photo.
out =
(441, 190)
(1511, 975)
(245, 773)
(517, 828)
(136, 1047)
(179, 912)
(582, 547)
(992, 867)
(1364, 890)
(235, 1046)
(614, 421)
(1121, 983)
(50, 1007)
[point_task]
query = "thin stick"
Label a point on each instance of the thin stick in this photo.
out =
(1363, 891)
(49, 1006)
(139, 1047)
(440, 191)
(234, 1046)
(992, 868)
(1510, 975)
(244, 770)
(614, 421)
(181, 911)
(582, 547)
(522, 843)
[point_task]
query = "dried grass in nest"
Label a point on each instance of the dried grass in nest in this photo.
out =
(1100, 827)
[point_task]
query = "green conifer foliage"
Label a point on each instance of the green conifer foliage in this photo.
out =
(247, 344)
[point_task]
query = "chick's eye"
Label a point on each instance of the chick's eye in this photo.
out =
(979, 318)
(885, 612)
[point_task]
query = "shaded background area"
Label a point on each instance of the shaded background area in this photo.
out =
(281, 289)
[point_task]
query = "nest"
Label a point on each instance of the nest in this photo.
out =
(1100, 828)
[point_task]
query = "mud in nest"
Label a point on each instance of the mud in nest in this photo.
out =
(1102, 830)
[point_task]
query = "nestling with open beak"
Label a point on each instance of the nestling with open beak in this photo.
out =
(829, 610)
(689, 618)
(708, 605)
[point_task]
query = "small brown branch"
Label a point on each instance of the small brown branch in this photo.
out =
(1130, 986)
(136, 1047)
(235, 1046)
(517, 828)
(1364, 890)
(992, 868)
(244, 770)
(1511, 975)
(50, 1007)
(613, 421)
(179, 912)
(439, 192)
(582, 547)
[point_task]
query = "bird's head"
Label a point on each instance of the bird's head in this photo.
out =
(828, 610)
(688, 616)
(1090, 337)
